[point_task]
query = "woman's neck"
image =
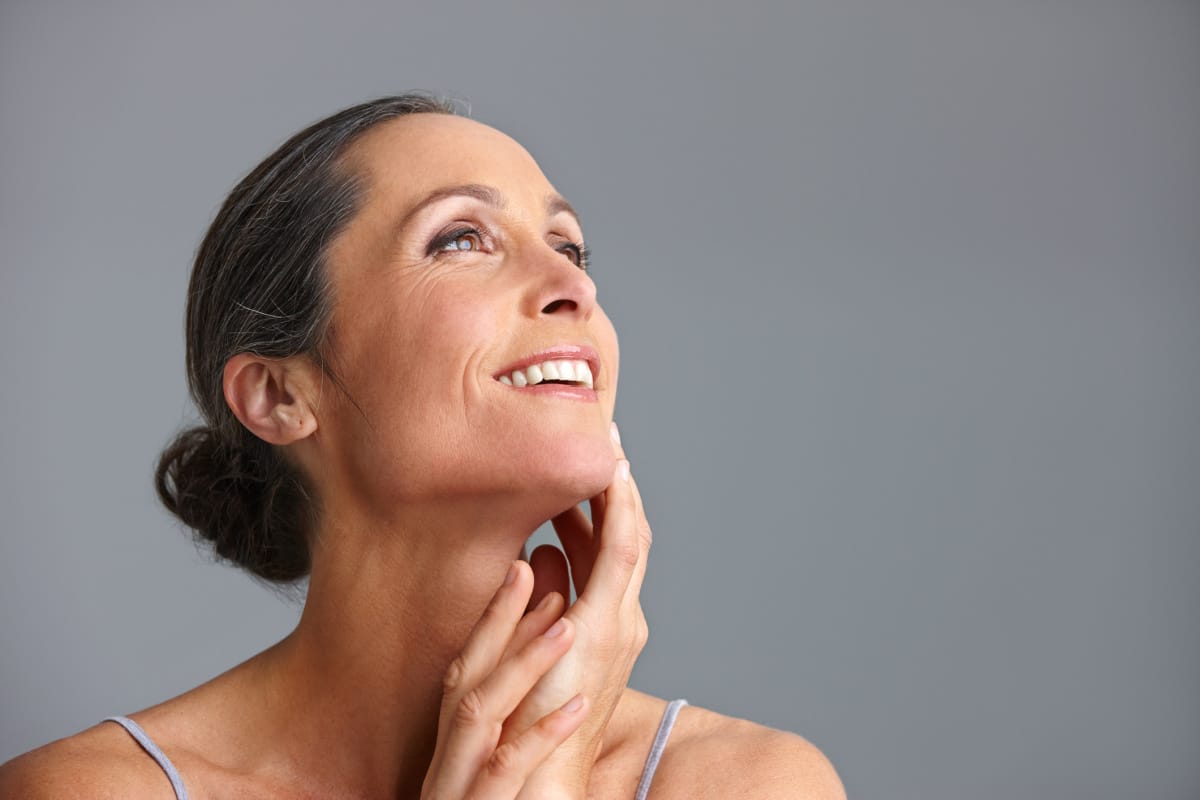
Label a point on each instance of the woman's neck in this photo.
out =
(354, 692)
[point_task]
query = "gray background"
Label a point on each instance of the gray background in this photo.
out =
(909, 304)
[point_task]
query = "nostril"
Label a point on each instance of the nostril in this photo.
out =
(557, 304)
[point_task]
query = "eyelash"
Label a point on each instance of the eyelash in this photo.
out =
(583, 253)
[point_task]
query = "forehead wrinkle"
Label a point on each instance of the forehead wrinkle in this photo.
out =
(484, 194)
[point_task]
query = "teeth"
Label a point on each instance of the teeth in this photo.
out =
(556, 370)
(583, 372)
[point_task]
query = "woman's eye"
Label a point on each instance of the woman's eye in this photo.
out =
(577, 254)
(457, 241)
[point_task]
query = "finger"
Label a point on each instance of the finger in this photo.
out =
(575, 532)
(535, 623)
(596, 504)
(643, 525)
(619, 552)
(477, 717)
(505, 772)
(615, 434)
(549, 574)
(596, 507)
(645, 540)
(488, 639)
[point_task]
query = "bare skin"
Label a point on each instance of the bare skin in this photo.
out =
(431, 483)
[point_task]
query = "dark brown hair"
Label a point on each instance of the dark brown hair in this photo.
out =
(259, 285)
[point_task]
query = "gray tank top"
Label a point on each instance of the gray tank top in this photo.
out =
(656, 750)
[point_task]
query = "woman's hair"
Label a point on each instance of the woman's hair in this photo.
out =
(260, 285)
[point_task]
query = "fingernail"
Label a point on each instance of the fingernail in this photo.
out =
(623, 466)
(544, 602)
(512, 574)
(616, 434)
(556, 629)
(574, 704)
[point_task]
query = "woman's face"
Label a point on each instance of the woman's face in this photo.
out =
(462, 267)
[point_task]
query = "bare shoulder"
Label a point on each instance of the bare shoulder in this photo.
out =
(99, 763)
(710, 755)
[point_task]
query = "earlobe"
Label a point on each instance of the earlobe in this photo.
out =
(265, 395)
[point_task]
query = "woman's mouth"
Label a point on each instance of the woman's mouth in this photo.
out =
(561, 371)
(566, 370)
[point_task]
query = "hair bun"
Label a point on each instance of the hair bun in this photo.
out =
(242, 497)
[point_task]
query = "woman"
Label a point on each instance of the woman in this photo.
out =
(396, 346)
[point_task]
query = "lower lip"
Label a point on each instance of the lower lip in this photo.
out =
(557, 390)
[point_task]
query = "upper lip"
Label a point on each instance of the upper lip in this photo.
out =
(578, 352)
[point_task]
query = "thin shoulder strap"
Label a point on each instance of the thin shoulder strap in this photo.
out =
(158, 755)
(660, 743)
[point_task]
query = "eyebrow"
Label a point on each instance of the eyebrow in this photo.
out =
(555, 203)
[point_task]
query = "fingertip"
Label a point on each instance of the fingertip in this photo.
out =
(512, 578)
(575, 704)
(615, 436)
(549, 599)
(561, 627)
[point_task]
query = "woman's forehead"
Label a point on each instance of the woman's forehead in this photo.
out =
(410, 156)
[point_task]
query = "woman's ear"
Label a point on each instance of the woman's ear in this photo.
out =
(271, 397)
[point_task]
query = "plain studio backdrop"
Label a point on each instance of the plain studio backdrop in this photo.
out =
(909, 305)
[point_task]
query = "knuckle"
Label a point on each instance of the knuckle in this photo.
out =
(470, 710)
(456, 676)
(627, 554)
(641, 633)
(505, 761)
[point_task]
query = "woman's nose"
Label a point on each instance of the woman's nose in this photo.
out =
(558, 286)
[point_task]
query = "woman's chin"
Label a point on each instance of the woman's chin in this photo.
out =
(539, 478)
(572, 475)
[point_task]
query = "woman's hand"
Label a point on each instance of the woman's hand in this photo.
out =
(480, 751)
(608, 562)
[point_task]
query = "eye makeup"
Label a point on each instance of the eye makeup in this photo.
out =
(577, 253)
